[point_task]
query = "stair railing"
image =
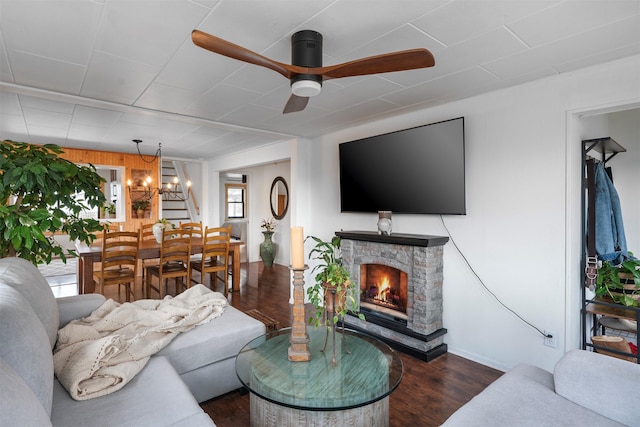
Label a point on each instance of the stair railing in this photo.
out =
(191, 202)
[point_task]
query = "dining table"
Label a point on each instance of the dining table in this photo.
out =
(149, 249)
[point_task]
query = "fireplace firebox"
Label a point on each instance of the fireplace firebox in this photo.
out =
(383, 289)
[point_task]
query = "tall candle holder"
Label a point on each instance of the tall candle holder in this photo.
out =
(299, 340)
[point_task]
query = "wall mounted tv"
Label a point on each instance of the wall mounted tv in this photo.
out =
(417, 171)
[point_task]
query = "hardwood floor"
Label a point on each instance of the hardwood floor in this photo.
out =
(428, 394)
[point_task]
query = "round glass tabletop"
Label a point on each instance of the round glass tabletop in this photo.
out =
(369, 373)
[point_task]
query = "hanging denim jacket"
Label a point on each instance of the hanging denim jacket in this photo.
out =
(611, 243)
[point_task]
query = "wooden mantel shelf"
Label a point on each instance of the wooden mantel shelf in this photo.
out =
(394, 238)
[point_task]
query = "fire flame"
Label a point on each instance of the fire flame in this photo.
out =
(382, 289)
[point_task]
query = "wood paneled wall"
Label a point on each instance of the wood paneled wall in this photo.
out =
(129, 162)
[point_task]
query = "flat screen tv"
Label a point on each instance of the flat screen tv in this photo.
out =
(414, 171)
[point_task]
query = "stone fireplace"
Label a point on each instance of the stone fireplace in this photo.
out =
(400, 277)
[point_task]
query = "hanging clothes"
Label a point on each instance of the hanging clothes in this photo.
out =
(611, 243)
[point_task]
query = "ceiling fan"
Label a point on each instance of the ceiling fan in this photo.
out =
(306, 72)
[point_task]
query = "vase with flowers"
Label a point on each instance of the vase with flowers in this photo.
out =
(159, 227)
(268, 247)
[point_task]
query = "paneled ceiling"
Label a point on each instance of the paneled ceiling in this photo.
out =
(99, 73)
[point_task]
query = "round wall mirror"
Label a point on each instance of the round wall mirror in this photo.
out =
(279, 197)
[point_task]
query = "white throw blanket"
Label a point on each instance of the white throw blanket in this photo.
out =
(101, 353)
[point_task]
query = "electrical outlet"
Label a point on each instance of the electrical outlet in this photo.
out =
(551, 339)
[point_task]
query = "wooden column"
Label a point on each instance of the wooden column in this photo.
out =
(299, 340)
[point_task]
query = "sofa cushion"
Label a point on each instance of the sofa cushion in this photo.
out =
(20, 406)
(24, 344)
(78, 306)
(155, 397)
(219, 339)
(604, 384)
(524, 397)
(23, 276)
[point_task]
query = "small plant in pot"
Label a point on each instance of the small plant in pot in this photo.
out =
(621, 283)
(110, 210)
(331, 276)
(140, 206)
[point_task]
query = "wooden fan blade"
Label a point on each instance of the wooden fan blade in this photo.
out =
(295, 103)
(386, 63)
(230, 50)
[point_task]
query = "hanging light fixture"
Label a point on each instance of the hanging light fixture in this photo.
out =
(157, 154)
(172, 191)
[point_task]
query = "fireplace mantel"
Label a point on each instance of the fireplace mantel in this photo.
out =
(394, 238)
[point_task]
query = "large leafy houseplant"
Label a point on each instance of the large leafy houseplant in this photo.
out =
(43, 194)
(621, 283)
(330, 275)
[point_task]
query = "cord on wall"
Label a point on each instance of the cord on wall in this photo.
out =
(540, 331)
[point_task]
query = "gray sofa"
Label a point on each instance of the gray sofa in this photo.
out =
(196, 366)
(585, 389)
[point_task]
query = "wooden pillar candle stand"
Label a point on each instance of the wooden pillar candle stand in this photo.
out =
(299, 340)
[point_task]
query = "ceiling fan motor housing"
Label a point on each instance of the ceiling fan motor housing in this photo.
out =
(306, 51)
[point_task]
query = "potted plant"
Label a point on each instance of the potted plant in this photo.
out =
(110, 210)
(43, 193)
(331, 277)
(159, 227)
(621, 283)
(140, 206)
(267, 247)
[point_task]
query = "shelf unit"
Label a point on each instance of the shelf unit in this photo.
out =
(604, 313)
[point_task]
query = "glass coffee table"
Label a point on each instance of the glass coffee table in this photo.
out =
(353, 392)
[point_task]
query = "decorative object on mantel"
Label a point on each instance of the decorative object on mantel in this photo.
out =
(299, 339)
(38, 194)
(384, 222)
(267, 247)
(333, 292)
(159, 227)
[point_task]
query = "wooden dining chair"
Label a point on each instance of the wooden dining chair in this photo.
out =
(174, 263)
(119, 265)
(196, 234)
(215, 257)
(146, 233)
(195, 227)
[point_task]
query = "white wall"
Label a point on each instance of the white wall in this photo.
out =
(259, 180)
(261, 166)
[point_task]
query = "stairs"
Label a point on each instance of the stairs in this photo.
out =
(174, 209)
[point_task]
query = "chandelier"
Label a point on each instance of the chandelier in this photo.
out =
(171, 191)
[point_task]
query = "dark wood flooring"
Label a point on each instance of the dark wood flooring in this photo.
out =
(428, 394)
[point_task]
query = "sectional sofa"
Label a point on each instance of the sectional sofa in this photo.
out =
(585, 389)
(196, 366)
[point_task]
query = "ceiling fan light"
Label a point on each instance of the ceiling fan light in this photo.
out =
(305, 88)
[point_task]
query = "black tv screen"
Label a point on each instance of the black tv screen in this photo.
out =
(417, 171)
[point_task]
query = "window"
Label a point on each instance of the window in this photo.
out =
(236, 200)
